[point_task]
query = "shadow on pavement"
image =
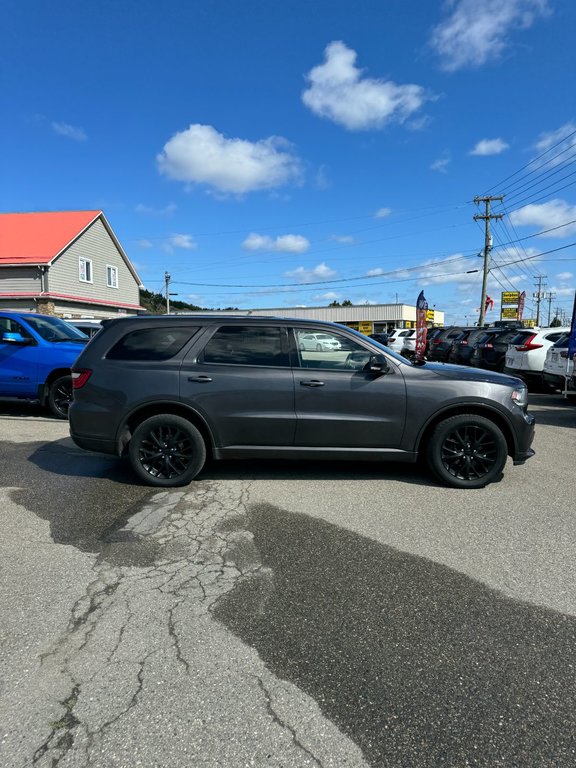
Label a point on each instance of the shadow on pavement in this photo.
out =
(553, 410)
(418, 664)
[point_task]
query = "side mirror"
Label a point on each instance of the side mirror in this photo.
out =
(378, 364)
(15, 338)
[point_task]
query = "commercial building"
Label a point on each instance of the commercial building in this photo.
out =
(366, 318)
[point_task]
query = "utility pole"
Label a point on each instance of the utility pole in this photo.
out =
(167, 279)
(487, 216)
(539, 295)
(549, 296)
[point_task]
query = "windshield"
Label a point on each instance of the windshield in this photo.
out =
(55, 329)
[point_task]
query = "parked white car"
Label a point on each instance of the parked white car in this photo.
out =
(318, 342)
(403, 340)
(526, 359)
(557, 366)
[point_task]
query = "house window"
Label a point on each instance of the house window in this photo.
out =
(111, 276)
(85, 270)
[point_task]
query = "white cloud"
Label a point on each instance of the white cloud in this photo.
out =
(179, 241)
(382, 213)
(441, 165)
(69, 131)
(281, 244)
(563, 277)
(548, 215)
(186, 242)
(476, 33)
(201, 155)
(303, 275)
(489, 147)
(562, 141)
(144, 244)
(149, 210)
(329, 296)
(339, 93)
(343, 239)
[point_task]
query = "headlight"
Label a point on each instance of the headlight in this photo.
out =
(520, 396)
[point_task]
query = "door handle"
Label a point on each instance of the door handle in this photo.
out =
(312, 383)
(201, 379)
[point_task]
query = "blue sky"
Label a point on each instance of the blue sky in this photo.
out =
(277, 154)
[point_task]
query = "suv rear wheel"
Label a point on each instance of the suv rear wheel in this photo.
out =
(167, 451)
(467, 451)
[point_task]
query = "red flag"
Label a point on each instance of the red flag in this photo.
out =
(421, 327)
(489, 304)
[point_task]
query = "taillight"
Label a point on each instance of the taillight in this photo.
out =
(79, 377)
(464, 342)
(436, 341)
(528, 346)
(488, 345)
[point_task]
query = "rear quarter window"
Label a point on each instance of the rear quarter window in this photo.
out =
(151, 344)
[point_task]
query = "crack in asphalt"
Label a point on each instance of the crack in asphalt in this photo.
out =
(202, 548)
(278, 720)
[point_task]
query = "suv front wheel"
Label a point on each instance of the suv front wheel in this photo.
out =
(467, 451)
(167, 451)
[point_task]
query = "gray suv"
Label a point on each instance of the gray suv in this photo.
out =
(170, 390)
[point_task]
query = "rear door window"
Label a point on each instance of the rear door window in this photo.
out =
(247, 345)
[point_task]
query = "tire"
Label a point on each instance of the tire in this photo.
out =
(467, 451)
(60, 396)
(167, 451)
(318, 347)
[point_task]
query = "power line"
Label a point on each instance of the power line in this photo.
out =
(499, 185)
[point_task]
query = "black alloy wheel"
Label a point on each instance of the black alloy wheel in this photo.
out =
(60, 396)
(167, 451)
(467, 451)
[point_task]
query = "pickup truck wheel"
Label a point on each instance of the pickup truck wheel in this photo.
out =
(60, 396)
(167, 451)
(467, 451)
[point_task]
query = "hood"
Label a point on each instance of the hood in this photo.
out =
(463, 373)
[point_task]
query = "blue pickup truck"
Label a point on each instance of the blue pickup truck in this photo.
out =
(36, 354)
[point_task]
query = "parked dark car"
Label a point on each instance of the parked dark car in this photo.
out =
(431, 334)
(169, 391)
(489, 351)
(441, 345)
(381, 338)
(462, 345)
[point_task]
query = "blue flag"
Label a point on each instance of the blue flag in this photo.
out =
(572, 337)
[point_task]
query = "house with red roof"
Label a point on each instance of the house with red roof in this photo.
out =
(65, 263)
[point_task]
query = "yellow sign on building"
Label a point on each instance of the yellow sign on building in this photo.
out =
(365, 327)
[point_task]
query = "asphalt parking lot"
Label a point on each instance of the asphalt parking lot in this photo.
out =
(276, 614)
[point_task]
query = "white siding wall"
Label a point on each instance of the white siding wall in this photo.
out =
(375, 313)
(20, 280)
(97, 245)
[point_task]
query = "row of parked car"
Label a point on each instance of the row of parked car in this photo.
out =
(539, 356)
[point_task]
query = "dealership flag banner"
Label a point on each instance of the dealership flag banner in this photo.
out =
(421, 327)
(572, 337)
